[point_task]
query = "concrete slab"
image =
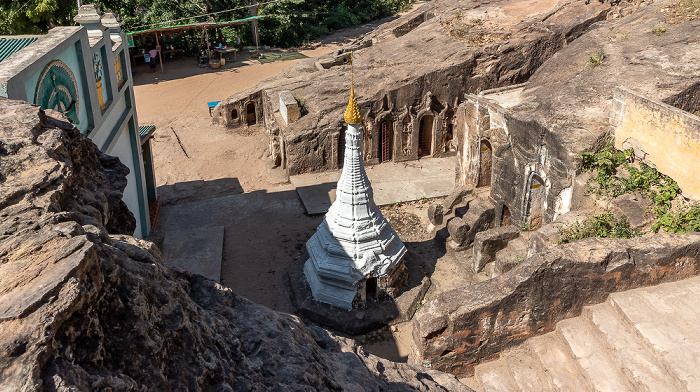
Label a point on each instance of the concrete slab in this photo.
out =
(196, 250)
(392, 182)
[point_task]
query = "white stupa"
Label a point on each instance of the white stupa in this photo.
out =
(354, 244)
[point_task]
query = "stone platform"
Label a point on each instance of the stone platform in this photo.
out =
(392, 182)
(198, 251)
(358, 321)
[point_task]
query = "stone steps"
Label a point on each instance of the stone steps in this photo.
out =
(646, 339)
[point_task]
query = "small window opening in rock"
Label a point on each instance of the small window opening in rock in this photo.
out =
(371, 289)
(234, 114)
(385, 103)
(505, 216)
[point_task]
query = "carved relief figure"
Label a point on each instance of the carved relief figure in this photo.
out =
(367, 141)
(406, 132)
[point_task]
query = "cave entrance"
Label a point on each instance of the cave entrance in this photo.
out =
(505, 216)
(386, 137)
(234, 114)
(425, 136)
(251, 118)
(485, 158)
(535, 204)
(371, 289)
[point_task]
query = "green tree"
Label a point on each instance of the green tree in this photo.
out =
(35, 16)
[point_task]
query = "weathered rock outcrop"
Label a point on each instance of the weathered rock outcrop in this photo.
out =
(462, 327)
(410, 79)
(488, 242)
(85, 307)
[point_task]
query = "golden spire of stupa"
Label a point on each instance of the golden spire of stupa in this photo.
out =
(352, 113)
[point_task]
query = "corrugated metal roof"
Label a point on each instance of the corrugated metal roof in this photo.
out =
(145, 132)
(8, 46)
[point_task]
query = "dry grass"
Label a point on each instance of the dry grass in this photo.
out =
(473, 32)
(684, 11)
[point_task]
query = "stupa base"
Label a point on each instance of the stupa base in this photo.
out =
(374, 315)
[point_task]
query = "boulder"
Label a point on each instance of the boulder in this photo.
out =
(435, 214)
(455, 197)
(458, 230)
(479, 217)
(488, 242)
(636, 207)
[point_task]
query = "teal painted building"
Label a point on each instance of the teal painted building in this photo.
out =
(84, 72)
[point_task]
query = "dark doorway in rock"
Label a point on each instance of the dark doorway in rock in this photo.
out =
(485, 157)
(371, 289)
(535, 204)
(505, 216)
(251, 119)
(234, 114)
(425, 135)
(386, 138)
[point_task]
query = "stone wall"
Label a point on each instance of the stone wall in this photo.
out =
(465, 326)
(534, 171)
(662, 136)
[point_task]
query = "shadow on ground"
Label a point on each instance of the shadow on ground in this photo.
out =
(188, 191)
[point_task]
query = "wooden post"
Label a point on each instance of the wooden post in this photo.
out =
(201, 41)
(206, 31)
(160, 53)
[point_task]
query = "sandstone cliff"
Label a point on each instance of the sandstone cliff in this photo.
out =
(84, 306)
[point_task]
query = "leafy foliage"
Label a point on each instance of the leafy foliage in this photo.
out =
(683, 222)
(35, 16)
(601, 225)
(290, 22)
(661, 188)
(597, 58)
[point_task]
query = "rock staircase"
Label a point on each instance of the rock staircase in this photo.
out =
(646, 339)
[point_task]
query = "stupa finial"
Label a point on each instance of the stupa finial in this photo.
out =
(352, 113)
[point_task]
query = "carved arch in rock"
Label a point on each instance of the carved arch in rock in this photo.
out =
(485, 163)
(251, 117)
(385, 137)
(426, 132)
(535, 194)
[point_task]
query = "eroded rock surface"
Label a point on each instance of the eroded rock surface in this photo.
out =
(464, 326)
(84, 306)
